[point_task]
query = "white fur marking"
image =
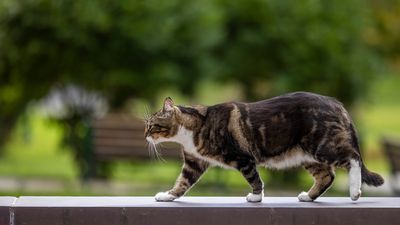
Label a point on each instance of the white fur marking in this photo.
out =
(185, 138)
(164, 197)
(255, 197)
(355, 180)
(304, 197)
(293, 158)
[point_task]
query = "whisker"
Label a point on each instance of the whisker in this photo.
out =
(161, 146)
(158, 154)
(145, 115)
(146, 112)
(150, 146)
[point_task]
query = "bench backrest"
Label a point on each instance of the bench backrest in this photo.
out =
(392, 149)
(119, 136)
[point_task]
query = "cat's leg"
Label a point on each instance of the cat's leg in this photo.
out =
(249, 171)
(192, 170)
(355, 179)
(323, 179)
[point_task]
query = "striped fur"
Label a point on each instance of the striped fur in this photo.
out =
(296, 129)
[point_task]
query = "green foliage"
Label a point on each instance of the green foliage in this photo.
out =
(278, 46)
(384, 36)
(124, 48)
(137, 49)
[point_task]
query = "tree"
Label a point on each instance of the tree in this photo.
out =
(125, 49)
(136, 49)
(277, 46)
(384, 36)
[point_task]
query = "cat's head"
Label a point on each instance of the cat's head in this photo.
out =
(163, 124)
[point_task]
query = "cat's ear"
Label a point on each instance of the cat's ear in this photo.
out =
(168, 105)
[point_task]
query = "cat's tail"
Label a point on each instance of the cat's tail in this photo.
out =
(367, 177)
(371, 178)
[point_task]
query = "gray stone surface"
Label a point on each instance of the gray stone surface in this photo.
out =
(7, 201)
(5, 209)
(197, 210)
(208, 202)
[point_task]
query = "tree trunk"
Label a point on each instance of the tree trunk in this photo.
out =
(6, 125)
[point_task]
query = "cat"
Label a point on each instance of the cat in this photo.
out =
(291, 130)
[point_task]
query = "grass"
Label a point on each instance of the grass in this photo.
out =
(34, 151)
(381, 113)
(380, 116)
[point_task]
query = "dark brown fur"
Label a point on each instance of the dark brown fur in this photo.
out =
(268, 132)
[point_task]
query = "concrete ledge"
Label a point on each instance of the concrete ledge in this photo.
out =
(5, 209)
(196, 210)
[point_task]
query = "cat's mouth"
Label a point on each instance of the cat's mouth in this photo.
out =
(149, 139)
(156, 139)
(153, 140)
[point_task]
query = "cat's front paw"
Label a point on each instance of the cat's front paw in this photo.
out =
(164, 197)
(254, 197)
(304, 197)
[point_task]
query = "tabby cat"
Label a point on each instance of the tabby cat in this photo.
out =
(295, 129)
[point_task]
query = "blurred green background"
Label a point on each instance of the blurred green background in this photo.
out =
(64, 63)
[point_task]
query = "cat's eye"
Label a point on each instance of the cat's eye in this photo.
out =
(162, 128)
(158, 127)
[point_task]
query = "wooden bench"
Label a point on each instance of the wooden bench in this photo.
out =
(392, 150)
(120, 137)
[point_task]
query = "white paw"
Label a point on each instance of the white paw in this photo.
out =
(355, 194)
(164, 197)
(254, 197)
(304, 197)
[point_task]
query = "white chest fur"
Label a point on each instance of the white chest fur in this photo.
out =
(185, 138)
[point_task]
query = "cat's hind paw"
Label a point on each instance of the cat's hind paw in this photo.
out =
(254, 197)
(304, 197)
(164, 197)
(355, 194)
